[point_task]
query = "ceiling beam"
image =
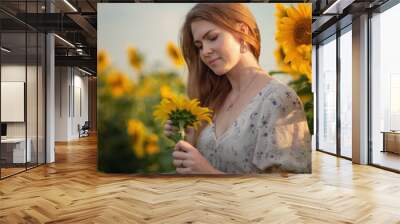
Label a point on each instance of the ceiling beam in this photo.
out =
(82, 61)
(86, 26)
(337, 7)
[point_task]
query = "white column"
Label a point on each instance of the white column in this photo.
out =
(50, 110)
(50, 92)
(62, 103)
(360, 90)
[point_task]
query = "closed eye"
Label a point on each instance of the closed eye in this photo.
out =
(211, 38)
(214, 37)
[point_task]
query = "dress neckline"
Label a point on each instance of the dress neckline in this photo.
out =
(245, 108)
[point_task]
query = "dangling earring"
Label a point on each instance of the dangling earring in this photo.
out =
(243, 47)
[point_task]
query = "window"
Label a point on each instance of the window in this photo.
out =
(346, 94)
(327, 96)
(385, 88)
(22, 68)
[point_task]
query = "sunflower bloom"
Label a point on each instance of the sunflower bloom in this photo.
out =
(175, 54)
(152, 146)
(119, 83)
(135, 58)
(304, 66)
(137, 131)
(285, 67)
(102, 61)
(152, 149)
(295, 28)
(182, 112)
(280, 11)
(294, 36)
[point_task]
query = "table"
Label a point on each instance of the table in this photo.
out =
(16, 147)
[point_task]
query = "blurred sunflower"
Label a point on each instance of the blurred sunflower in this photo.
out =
(137, 131)
(294, 36)
(305, 98)
(119, 83)
(102, 61)
(135, 58)
(182, 112)
(166, 92)
(175, 54)
(147, 86)
(152, 145)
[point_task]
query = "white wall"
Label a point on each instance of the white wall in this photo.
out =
(80, 100)
(33, 127)
(61, 103)
(16, 73)
(71, 93)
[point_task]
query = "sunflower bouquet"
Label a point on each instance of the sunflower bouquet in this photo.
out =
(183, 113)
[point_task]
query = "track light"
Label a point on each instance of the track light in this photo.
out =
(84, 71)
(64, 40)
(337, 7)
(5, 50)
(70, 5)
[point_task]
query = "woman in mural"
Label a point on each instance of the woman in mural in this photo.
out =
(259, 123)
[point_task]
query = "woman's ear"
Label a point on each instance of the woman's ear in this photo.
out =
(243, 28)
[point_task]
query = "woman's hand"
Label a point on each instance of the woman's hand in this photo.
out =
(188, 160)
(169, 130)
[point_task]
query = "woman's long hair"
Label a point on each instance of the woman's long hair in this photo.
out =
(203, 83)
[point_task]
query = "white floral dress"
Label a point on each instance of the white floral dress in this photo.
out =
(271, 131)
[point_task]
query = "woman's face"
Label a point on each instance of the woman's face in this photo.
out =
(218, 48)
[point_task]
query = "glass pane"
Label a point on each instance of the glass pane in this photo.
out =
(41, 98)
(386, 89)
(13, 85)
(31, 97)
(327, 97)
(346, 94)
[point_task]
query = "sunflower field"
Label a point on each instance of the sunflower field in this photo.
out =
(130, 140)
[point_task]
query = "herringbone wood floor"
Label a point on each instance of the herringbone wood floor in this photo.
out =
(71, 191)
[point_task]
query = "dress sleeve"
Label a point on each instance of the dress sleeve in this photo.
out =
(283, 140)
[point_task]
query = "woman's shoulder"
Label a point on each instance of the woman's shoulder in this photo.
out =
(278, 89)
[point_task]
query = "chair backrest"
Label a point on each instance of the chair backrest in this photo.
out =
(86, 125)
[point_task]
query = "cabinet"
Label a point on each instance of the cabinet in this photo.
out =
(391, 141)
